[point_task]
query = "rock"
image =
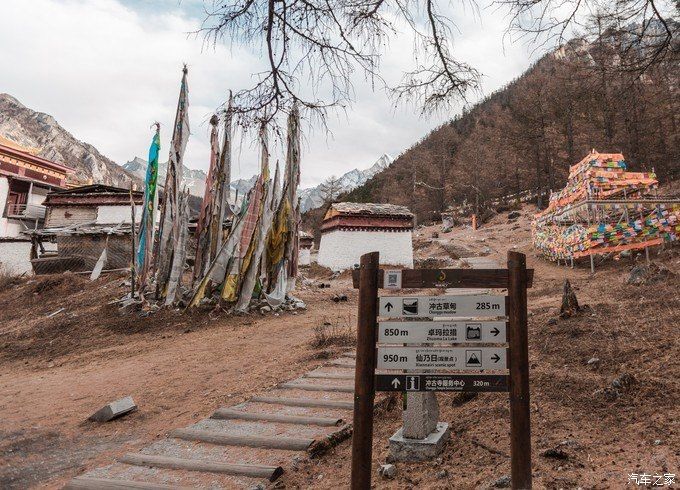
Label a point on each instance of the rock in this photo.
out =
(610, 394)
(339, 298)
(387, 470)
(623, 381)
(593, 360)
(300, 305)
(114, 410)
(514, 214)
(552, 321)
(443, 474)
(503, 482)
(259, 486)
(643, 274)
(265, 309)
(569, 302)
(658, 442)
(555, 453)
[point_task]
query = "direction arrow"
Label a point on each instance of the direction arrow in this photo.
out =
(440, 331)
(442, 382)
(458, 358)
(467, 306)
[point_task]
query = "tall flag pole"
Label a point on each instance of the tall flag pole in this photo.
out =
(170, 233)
(210, 200)
(222, 185)
(145, 237)
(292, 181)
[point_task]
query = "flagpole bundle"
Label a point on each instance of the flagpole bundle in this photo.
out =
(169, 231)
(205, 232)
(146, 228)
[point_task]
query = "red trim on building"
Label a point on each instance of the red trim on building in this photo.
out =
(19, 171)
(367, 222)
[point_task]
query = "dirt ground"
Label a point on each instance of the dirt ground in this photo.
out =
(56, 371)
(605, 394)
(599, 430)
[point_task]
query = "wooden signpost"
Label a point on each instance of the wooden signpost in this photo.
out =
(485, 333)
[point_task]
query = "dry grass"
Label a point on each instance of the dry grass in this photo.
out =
(327, 335)
(7, 279)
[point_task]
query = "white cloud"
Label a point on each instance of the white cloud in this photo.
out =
(106, 70)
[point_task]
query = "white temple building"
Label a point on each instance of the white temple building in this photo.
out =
(350, 230)
(306, 243)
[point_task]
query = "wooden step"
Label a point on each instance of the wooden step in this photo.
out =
(313, 387)
(304, 402)
(87, 483)
(226, 439)
(339, 363)
(229, 414)
(329, 376)
(251, 470)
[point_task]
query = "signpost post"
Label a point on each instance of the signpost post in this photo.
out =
(486, 333)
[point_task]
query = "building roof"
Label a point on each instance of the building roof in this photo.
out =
(23, 164)
(8, 142)
(94, 195)
(367, 208)
(94, 189)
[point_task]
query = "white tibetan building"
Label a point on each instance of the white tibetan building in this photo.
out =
(306, 243)
(350, 230)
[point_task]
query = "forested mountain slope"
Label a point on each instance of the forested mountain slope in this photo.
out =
(527, 134)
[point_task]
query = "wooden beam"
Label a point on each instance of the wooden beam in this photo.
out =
(228, 413)
(364, 380)
(304, 402)
(449, 278)
(329, 376)
(520, 423)
(226, 439)
(313, 387)
(87, 483)
(250, 470)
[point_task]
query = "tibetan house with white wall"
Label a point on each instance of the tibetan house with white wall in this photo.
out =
(84, 221)
(350, 230)
(306, 243)
(25, 180)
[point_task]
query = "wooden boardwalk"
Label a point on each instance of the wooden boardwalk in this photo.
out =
(246, 444)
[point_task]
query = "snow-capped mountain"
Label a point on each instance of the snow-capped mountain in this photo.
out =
(310, 198)
(192, 178)
(313, 197)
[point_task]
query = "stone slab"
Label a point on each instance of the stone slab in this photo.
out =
(114, 410)
(404, 449)
(421, 415)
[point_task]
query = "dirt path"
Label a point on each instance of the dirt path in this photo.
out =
(176, 372)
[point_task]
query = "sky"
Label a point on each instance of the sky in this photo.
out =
(107, 69)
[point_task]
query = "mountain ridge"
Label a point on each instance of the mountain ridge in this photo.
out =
(34, 129)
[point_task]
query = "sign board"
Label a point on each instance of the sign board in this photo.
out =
(392, 279)
(437, 331)
(473, 360)
(475, 305)
(441, 382)
(459, 358)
